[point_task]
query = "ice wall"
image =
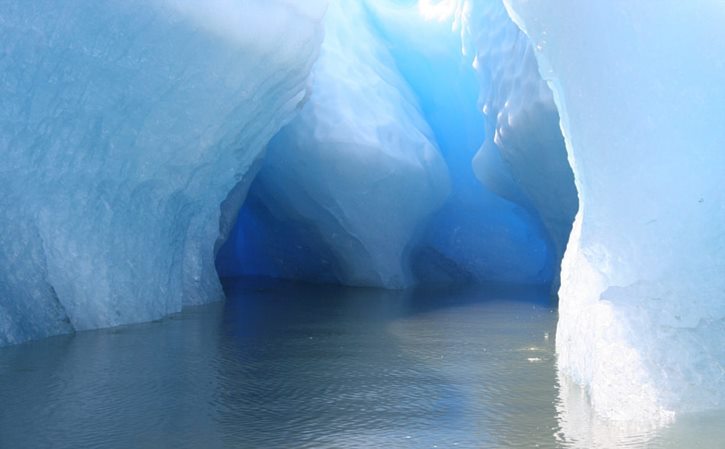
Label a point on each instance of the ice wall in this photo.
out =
(344, 187)
(512, 232)
(642, 303)
(124, 125)
(523, 157)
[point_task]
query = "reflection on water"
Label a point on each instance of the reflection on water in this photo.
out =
(579, 427)
(288, 366)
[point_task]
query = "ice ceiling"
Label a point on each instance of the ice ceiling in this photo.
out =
(147, 145)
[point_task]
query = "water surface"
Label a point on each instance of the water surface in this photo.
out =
(294, 366)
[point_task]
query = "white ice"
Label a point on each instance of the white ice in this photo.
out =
(642, 303)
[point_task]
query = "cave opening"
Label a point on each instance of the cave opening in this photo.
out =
(385, 191)
(412, 162)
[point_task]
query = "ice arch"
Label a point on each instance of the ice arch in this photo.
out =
(312, 212)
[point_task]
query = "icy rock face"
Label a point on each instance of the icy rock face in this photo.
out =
(347, 184)
(123, 128)
(523, 158)
(642, 303)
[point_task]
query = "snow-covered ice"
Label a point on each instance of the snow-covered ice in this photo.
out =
(392, 114)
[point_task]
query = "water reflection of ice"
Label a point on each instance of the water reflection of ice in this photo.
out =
(293, 366)
(581, 428)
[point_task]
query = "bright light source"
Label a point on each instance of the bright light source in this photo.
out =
(439, 10)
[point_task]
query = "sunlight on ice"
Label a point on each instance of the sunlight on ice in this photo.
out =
(440, 10)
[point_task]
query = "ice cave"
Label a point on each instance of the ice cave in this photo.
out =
(302, 176)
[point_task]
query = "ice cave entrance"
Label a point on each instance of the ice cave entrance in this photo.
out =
(368, 143)
(412, 161)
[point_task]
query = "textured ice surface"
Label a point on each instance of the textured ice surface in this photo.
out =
(523, 157)
(347, 190)
(483, 232)
(490, 109)
(124, 125)
(642, 303)
(344, 187)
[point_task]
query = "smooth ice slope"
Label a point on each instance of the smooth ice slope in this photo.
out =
(344, 187)
(124, 125)
(639, 86)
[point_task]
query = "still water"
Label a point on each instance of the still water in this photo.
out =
(294, 366)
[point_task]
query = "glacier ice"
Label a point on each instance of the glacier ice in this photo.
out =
(124, 126)
(349, 181)
(312, 213)
(481, 233)
(642, 303)
(523, 157)
(131, 132)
